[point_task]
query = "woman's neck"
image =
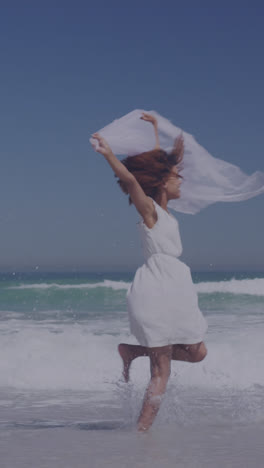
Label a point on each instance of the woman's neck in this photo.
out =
(162, 201)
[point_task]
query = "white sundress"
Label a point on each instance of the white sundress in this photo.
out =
(162, 301)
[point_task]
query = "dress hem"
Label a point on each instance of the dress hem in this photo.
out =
(185, 342)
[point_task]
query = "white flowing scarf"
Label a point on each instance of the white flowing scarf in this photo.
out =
(206, 179)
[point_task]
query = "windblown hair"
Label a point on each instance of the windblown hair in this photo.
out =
(151, 169)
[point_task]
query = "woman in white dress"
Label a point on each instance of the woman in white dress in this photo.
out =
(162, 302)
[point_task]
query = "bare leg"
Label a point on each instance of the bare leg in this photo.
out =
(128, 353)
(180, 352)
(189, 353)
(160, 360)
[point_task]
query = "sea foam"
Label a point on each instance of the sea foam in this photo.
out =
(246, 286)
(116, 285)
(243, 286)
(75, 357)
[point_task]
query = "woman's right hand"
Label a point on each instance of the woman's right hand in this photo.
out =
(102, 146)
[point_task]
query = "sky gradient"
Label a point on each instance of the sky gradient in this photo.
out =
(68, 69)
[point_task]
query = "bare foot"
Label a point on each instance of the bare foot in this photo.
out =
(126, 356)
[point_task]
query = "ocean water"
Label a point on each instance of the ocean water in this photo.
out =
(63, 403)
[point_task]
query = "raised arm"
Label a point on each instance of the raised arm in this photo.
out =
(142, 203)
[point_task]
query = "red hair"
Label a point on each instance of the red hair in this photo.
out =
(151, 169)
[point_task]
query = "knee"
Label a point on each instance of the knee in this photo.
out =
(200, 353)
(161, 371)
(166, 373)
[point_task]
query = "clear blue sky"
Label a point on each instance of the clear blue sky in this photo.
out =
(69, 68)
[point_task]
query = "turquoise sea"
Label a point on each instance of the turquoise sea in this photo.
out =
(62, 399)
